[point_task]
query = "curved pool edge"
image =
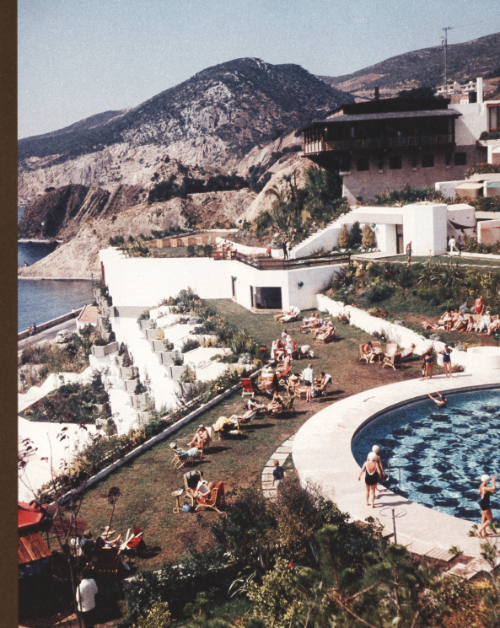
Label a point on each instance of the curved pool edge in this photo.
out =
(322, 456)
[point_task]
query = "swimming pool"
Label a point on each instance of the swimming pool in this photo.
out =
(440, 452)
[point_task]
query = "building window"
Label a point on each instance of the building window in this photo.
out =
(460, 159)
(414, 160)
(363, 163)
(380, 163)
(345, 163)
(428, 160)
(395, 162)
(494, 118)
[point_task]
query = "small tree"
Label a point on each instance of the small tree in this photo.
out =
(344, 238)
(368, 238)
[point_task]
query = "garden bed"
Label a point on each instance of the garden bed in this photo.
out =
(72, 403)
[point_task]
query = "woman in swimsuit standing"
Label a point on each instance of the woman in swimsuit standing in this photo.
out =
(484, 503)
(372, 475)
(446, 360)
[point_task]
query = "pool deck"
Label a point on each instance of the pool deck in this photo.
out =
(322, 455)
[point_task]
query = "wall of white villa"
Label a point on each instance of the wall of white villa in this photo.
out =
(425, 226)
(144, 282)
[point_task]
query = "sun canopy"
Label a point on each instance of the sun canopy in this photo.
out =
(27, 515)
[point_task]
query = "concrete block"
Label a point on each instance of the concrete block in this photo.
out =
(130, 385)
(166, 357)
(177, 372)
(157, 345)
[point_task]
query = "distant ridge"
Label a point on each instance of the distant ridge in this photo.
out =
(240, 102)
(466, 61)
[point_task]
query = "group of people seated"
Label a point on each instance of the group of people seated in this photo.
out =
(371, 353)
(480, 321)
(283, 347)
(226, 249)
(321, 329)
(32, 330)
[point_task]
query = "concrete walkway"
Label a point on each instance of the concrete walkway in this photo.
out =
(322, 455)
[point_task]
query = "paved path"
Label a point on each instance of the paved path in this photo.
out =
(48, 334)
(322, 454)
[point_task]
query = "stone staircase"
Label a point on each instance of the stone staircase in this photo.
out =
(326, 237)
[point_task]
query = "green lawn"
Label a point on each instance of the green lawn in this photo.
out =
(147, 483)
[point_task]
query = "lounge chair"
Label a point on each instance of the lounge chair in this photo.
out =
(247, 387)
(183, 460)
(108, 561)
(365, 355)
(391, 356)
(326, 336)
(215, 500)
(322, 390)
(134, 541)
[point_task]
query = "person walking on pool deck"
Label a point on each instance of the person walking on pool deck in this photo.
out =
(446, 353)
(372, 471)
(376, 450)
(484, 503)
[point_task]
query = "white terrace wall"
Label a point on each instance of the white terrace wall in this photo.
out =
(395, 333)
(144, 282)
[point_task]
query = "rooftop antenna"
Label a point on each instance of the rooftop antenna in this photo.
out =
(444, 44)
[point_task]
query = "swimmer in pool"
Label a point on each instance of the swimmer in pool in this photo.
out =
(440, 400)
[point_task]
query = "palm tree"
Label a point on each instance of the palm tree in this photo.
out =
(113, 495)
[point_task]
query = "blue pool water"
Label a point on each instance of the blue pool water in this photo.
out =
(442, 452)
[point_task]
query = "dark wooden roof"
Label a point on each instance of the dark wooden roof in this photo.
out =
(435, 113)
(31, 548)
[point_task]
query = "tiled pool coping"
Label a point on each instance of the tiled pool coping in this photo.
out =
(322, 455)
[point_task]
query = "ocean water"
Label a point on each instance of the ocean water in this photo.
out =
(42, 300)
(441, 452)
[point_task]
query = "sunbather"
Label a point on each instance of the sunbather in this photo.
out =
(309, 323)
(225, 425)
(407, 352)
(367, 351)
(276, 404)
(484, 323)
(460, 323)
(193, 452)
(493, 327)
(201, 437)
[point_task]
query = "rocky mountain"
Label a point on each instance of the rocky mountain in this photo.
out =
(213, 119)
(466, 61)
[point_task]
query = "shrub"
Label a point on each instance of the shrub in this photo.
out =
(344, 238)
(190, 344)
(482, 168)
(379, 292)
(368, 237)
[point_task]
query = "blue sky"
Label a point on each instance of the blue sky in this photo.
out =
(81, 57)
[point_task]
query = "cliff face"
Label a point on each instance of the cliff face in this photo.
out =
(212, 120)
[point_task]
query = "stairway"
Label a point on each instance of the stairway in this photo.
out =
(323, 238)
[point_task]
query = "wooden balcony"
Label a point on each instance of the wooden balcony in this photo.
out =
(377, 143)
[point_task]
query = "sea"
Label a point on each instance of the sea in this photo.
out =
(38, 300)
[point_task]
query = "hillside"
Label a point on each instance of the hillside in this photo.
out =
(466, 61)
(213, 119)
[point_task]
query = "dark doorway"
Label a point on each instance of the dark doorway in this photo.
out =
(233, 287)
(268, 298)
(251, 297)
(399, 239)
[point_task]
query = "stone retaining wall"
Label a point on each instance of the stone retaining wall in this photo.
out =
(394, 333)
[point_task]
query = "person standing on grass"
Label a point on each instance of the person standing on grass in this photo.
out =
(308, 377)
(278, 474)
(85, 599)
(485, 491)
(408, 253)
(446, 353)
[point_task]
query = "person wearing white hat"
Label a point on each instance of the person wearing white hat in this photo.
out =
(485, 491)
(372, 471)
(376, 450)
